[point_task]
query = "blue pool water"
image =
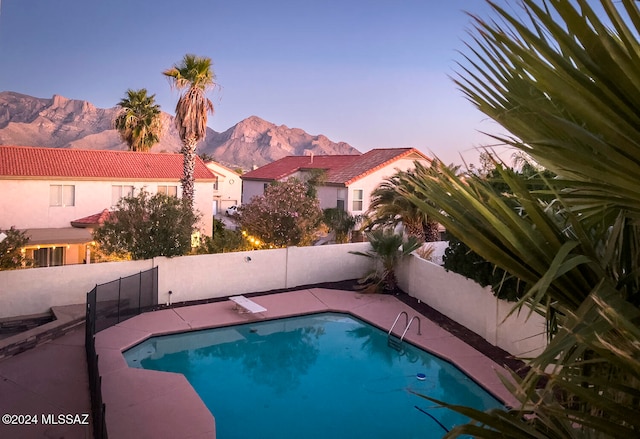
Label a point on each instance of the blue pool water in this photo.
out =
(317, 376)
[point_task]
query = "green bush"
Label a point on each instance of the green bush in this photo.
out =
(11, 256)
(145, 226)
(462, 260)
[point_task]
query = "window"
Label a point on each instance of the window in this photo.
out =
(48, 256)
(62, 195)
(119, 192)
(357, 199)
(172, 191)
(341, 196)
(215, 184)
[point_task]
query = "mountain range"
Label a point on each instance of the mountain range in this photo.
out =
(69, 123)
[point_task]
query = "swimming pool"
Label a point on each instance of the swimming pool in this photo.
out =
(315, 376)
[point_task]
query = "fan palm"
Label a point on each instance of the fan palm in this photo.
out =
(340, 222)
(193, 77)
(566, 86)
(389, 207)
(138, 121)
(387, 248)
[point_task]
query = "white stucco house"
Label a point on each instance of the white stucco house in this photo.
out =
(227, 187)
(59, 195)
(349, 181)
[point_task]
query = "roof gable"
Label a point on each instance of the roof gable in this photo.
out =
(36, 162)
(221, 170)
(372, 161)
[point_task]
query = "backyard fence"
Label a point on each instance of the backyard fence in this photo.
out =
(108, 304)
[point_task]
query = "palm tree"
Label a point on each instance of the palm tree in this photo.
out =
(138, 120)
(389, 207)
(567, 87)
(340, 222)
(193, 77)
(387, 249)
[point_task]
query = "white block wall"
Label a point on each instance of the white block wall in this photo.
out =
(473, 306)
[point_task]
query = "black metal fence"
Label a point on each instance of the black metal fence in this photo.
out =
(108, 304)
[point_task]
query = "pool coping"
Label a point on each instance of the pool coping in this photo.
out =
(151, 404)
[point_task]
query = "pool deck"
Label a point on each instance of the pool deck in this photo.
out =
(151, 404)
(50, 379)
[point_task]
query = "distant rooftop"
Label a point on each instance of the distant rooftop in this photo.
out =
(341, 169)
(92, 221)
(36, 162)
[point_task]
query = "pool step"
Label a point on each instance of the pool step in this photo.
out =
(394, 343)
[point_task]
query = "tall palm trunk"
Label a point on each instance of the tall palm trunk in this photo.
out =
(189, 165)
(415, 228)
(193, 76)
(431, 231)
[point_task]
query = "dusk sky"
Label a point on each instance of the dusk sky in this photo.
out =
(374, 74)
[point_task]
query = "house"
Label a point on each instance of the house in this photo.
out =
(227, 187)
(60, 195)
(349, 179)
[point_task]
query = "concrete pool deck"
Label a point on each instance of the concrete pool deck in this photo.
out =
(151, 404)
(50, 379)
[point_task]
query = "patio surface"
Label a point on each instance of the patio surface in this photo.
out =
(151, 404)
(50, 379)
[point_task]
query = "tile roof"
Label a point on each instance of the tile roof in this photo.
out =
(288, 165)
(92, 220)
(341, 169)
(36, 162)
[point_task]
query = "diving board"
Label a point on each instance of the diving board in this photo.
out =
(247, 306)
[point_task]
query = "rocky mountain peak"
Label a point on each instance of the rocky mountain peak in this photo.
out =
(71, 123)
(60, 103)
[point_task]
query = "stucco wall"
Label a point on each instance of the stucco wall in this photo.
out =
(32, 291)
(251, 189)
(25, 203)
(325, 263)
(371, 181)
(218, 275)
(473, 306)
(36, 290)
(189, 278)
(328, 196)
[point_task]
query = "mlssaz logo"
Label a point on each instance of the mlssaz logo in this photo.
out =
(65, 419)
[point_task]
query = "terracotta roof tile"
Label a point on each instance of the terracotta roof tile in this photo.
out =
(92, 220)
(370, 162)
(291, 164)
(36, 162)
(341, 169)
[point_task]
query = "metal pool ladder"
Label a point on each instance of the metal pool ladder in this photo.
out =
(396, 343)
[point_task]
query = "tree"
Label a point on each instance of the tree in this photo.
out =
(145, 226)
(223, 240)
(193, 77)
(387, 249)
(206, 157)
(315, 177)
(565, 86)
(138, 120)
(285, 215)
(11, 256)
(340, 222)
(390, 207)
